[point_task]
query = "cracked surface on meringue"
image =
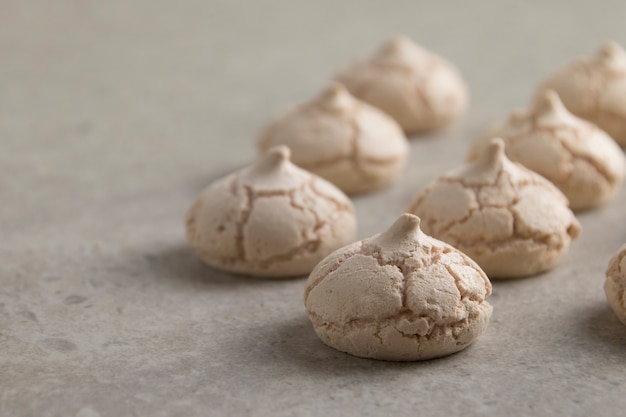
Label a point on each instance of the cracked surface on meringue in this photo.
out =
(594, 88)
(575, 155)
(345, 141)
(400, 295)
(271, 219)
(511, 221)
(420, 90)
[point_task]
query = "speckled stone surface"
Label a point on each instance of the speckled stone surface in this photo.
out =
(114, 115)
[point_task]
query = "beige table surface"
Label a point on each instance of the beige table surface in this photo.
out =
(115, 114)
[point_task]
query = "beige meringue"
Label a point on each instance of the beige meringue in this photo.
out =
(271, 219)
(594, 88)
(343, 140)
(419, 89)
(510, 220)
(615, 284)
(399, 296)
(580, 159)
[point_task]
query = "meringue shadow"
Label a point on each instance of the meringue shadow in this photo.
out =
(601, 327)
(178, 264)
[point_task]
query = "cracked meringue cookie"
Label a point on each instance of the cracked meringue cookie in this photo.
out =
(399, 295)
(420, 90)
(271, 219)
(594, 88)
(575, 155)
(343, 140)
(615, 284)
(510, 220)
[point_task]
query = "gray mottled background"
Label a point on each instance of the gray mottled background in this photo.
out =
(115, 114)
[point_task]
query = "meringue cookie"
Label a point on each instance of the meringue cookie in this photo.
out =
(615, 284)
(343, 140)
(594, 88)
(580, 159)
(511, 221)
(399, 296)
(271, 219)
(419, 89)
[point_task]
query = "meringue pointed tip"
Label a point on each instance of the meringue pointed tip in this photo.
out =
(495, 149)
(335, 96)
(274, 157)
(279, 153)
(332, 92)
(409, 221)
(549, 100)
(399, 40)
(333, 88)
(551, 97)
(397, 45)
(406, 224)
(517, 115)
(611, 49)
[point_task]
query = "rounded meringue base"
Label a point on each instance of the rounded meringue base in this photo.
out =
(612, 123)
(290, 265)
(590, 193)
(515, 259)
(384, 341)
(613, 291)
(615, 284)
(351, 180)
